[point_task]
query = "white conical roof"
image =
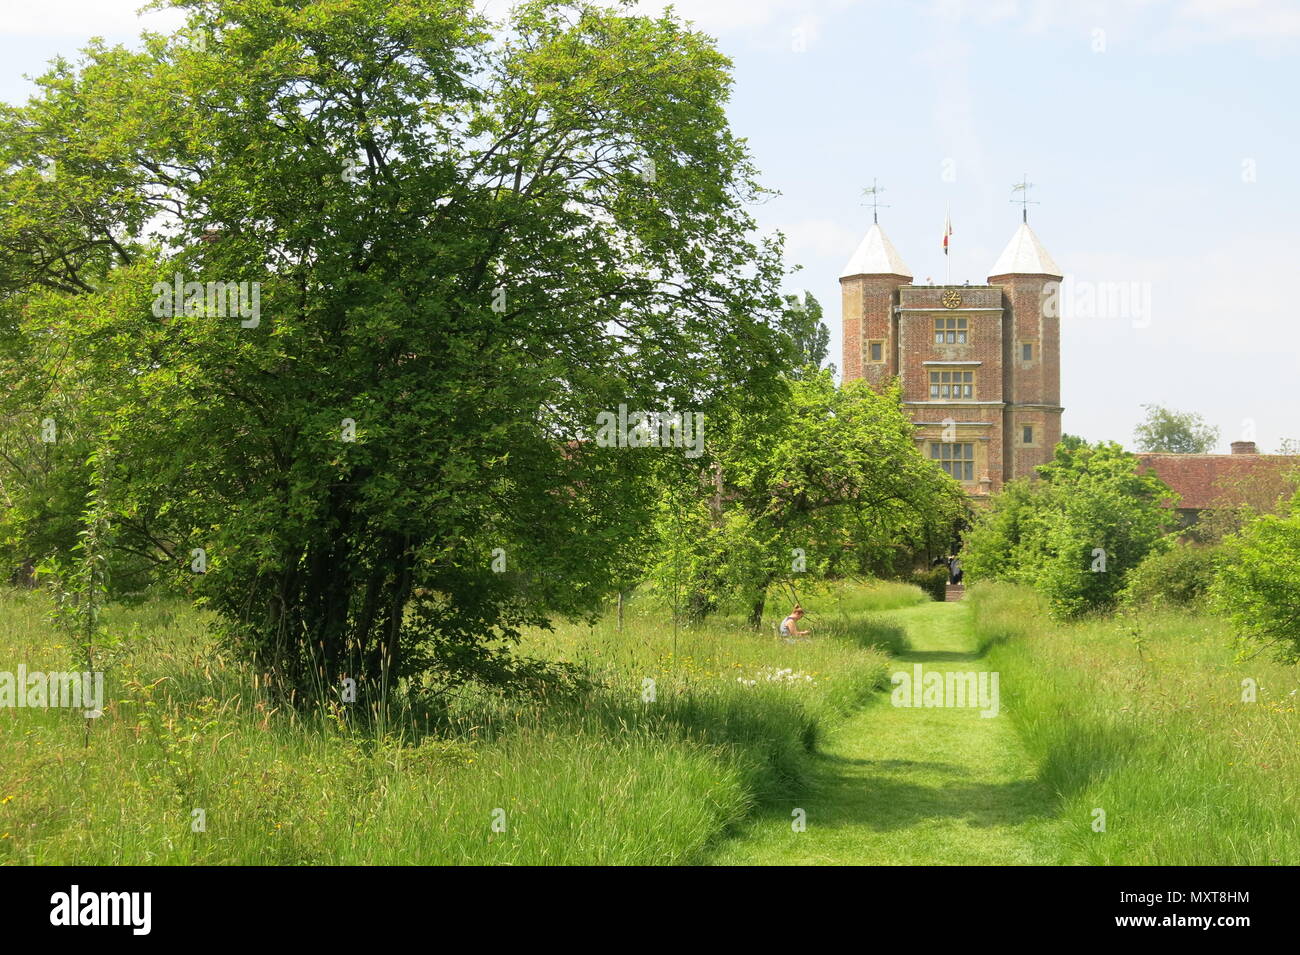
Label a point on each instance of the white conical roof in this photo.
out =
(1025, 255)
(876, 255)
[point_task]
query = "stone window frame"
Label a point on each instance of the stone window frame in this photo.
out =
(964, 384)
(881, 359)
(955, 458)
(1030, 360)
(951, 330)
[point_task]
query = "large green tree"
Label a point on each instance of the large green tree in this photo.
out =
(467, 241)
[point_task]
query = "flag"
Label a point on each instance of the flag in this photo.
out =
(947, 231)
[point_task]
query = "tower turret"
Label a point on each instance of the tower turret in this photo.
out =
(1031, 365)
(869, 292)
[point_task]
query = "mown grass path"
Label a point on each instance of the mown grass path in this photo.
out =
(910, 786)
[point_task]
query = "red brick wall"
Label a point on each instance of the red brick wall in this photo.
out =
(986, 436)
(1000, 317)
(982, 309)
(867, 308)
(1037, 383)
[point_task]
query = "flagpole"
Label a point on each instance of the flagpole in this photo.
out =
(948, 247)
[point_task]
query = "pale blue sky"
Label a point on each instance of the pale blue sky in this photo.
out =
(1141, 123)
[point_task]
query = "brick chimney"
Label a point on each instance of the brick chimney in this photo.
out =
(1244, 447)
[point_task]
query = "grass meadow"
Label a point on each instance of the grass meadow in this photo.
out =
(188, 743)
(1142, 716)
(685, 740)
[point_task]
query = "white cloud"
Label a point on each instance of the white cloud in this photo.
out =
(715, 16)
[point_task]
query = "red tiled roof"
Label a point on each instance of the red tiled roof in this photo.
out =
(1201, 479)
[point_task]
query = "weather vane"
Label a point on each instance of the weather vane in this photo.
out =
(1023, 187)
(873, 192)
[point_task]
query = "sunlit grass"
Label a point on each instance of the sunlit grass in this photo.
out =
(1143, 718)
(634, 773)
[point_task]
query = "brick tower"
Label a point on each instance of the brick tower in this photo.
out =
(1032, 365)
(869, 295)
(979, 365)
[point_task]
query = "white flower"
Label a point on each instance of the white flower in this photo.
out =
(783, 675)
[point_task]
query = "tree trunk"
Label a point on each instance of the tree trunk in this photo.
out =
(756, 614)
(392, 647)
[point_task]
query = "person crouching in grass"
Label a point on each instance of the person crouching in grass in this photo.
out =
(790, 625)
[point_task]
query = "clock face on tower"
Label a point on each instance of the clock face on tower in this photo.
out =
(951, 298)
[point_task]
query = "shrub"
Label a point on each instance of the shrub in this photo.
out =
(933, 581)
(1074, 534)
(1257, 587)
(1179, 577)
(1006, 542)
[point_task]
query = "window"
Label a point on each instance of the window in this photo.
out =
(1026, 351)
(876, 352)
(956, 458)
(950, 331)
(952, 384)
(1027, 434)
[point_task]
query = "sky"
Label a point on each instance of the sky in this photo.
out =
(1162, 138)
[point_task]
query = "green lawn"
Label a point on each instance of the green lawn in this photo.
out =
(910, 786)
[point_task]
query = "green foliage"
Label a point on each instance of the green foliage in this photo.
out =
(829, 484)
(1179, 432)
(1178, 577)
(467, 244)
(811, 337)
(1257, 586)
(1007, 540)
(1075, 532)
(933, 581)
(44, 486)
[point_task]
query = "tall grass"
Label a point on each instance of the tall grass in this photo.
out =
(1143, 718)
(634, 772)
